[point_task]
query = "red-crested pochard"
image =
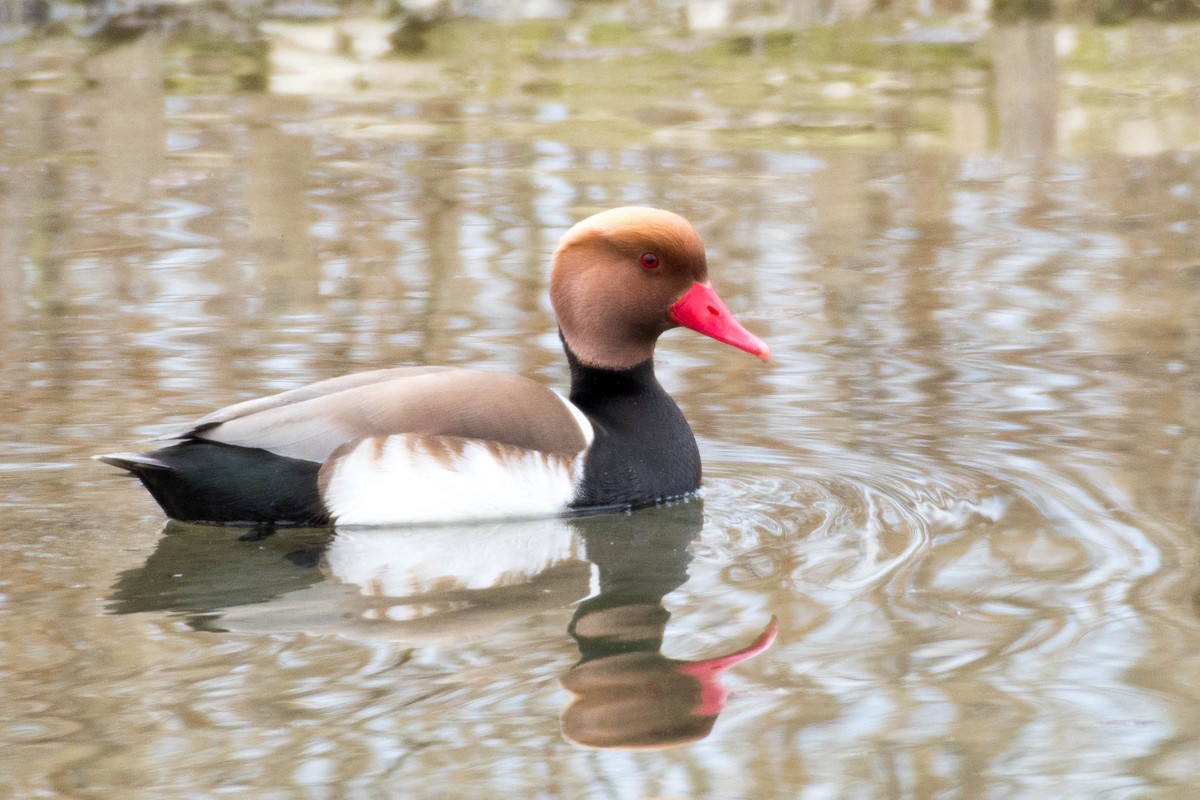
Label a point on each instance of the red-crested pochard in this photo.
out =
(429, 444)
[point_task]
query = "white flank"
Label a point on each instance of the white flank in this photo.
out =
(409, 478)
(585, 425)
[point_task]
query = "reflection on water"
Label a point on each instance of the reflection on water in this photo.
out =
(459, 584)
(967, 486)
(624, 691)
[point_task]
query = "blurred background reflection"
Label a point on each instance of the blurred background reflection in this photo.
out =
(967, 487)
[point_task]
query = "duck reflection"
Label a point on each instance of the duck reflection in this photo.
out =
(418, 585)
(624, 692)
(457, 584)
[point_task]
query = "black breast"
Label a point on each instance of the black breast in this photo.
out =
(644, 451)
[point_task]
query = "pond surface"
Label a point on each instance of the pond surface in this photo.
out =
(967, 486)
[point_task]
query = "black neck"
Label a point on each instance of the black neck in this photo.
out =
(644, 451)
(592, 384)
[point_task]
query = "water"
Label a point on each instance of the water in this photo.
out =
(967, 485)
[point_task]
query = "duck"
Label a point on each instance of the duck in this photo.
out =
(430, 444)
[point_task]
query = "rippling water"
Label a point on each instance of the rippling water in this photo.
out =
(967, 486)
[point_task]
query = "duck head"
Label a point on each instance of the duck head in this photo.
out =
(623, 277)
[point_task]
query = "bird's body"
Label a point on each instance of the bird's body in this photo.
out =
(431, 444)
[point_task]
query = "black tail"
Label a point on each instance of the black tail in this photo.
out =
(202, 481)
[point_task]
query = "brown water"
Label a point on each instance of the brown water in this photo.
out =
(967, 485)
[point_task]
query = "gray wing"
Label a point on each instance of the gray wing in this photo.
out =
(311, 422)
(313, 390)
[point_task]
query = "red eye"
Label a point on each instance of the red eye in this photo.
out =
(649, 261)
